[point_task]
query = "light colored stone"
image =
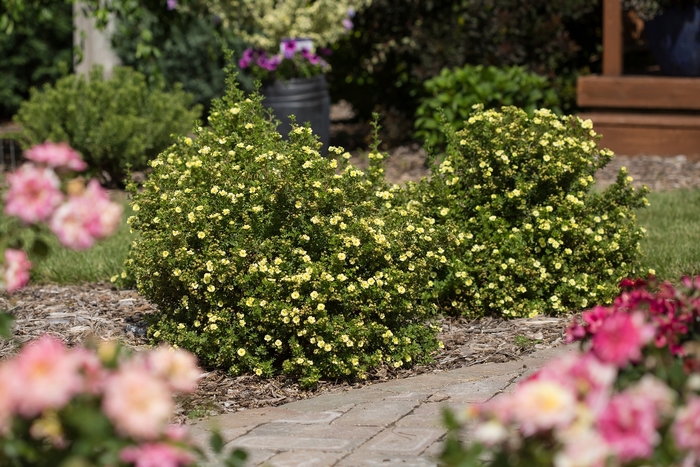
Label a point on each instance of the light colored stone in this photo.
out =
(376, 414)
(305, 459)
(364, 459)
(403, 441)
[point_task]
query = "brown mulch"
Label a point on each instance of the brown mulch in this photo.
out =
(79, 313)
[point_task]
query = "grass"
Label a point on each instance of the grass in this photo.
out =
(99, 263)
(672, 245)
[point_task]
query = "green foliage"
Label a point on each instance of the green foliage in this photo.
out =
(183, 47)
(454, 92)
(263, 256)
(398, 44)
(35, 48)
(113, 122)
(526, 234)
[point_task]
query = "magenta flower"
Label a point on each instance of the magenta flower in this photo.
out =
(56, 155)
(17, 266)
(628, 424)
(46, 375)
(289, 48)
(620, 338)
(138, 404)
(171, 4)
(34, 193)
(156, 455)
(247, 59)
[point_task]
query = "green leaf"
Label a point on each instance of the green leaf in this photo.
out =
(216, 441)
(40, 248)
(6, 321)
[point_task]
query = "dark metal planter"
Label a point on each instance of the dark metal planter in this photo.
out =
(305, 98)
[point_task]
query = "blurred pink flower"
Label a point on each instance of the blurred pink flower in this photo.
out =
(686, 426)
(47, 375)
(56, 155)
(620, 338)
(156, 455)
(177, 367)
(17, 266)
(85, 218)
(582, 448)
(539, 404)
(655, 392)
(628, 424)
(7, 394)
(138, 403)
(33, 194)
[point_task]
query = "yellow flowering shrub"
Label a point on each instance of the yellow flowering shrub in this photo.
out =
(525, 233)
(263, 256)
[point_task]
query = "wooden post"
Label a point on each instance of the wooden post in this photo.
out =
(612, 38)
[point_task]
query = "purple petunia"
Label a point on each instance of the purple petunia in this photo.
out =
(172, 4)
(289, 48)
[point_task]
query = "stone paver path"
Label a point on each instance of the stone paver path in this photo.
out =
(386, 424)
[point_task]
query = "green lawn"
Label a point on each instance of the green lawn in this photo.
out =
(99, 263)
(672, 246)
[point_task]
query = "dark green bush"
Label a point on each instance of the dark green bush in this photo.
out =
(526, 233)
(454, 92)
(112, 122)
(263, 256)
(38, 49)
(183, 47)
(398, 44)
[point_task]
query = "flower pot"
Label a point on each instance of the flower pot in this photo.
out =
(674, 40)
(305, 98)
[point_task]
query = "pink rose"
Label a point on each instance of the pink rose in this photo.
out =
(177, 367)
(686, 426)
(56, 155)
(539, 404)
(138, 403)
(85, 218)
(34, 193)
(620, 338)
(47, 376)
(156, 455)
(17, 266)
(628, 424)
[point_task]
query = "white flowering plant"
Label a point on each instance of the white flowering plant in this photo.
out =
(527, 234)
(265, 23)
(263, 256)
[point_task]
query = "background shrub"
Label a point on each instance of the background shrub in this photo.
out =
(112, 123)
(183, 47)
(398, 44)
(527, 234)
(35, 50)
(454, 92)
(263, 256)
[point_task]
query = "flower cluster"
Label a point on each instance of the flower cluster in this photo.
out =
(264, 256)
(292, 62)
(631, 397)
(35, 195)
(72, 406)
(265, 23)
(527, 234)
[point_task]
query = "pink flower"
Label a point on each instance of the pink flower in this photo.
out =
(628, 425)
(156, 455)
(655, 392)
(86, 218)
(8, 394)
(594, 318)
(582, 448)
(620, 338)
(540, 404)
(34, 193)
(17, 266)
(177, 367)
(138, 404)
(56, 155)
(47, 376)
(686, 426)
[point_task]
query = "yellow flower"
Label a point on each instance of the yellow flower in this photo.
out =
(295, 295)
(241, 352)
(201, 234)
(242, 253)
(165, 254)
(341, 256)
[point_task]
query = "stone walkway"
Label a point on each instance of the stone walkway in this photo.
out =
(386, 424)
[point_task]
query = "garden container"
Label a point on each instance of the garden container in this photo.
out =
(305, 98)
(674, 40)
